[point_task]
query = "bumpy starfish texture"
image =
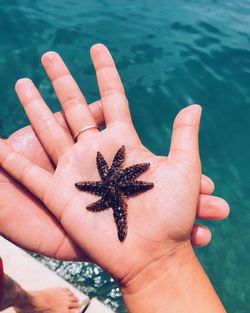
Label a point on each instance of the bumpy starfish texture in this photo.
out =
(115, 186)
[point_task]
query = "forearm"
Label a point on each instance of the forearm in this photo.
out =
(13, 294)
(179, 285)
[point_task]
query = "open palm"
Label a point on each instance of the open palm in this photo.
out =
(164, 214)
(22, 214)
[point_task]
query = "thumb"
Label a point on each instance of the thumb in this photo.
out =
(184, 143)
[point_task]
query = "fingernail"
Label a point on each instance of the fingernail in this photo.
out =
(24, 84)
(49, 57)
(98, 48)
(221, 206)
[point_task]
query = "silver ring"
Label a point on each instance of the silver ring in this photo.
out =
(83, 130)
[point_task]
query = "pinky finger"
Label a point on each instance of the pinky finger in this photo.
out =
(200, 236)
(34, 178)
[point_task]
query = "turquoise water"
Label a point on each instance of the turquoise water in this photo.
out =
(169, 55)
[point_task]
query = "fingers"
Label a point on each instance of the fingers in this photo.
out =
(95, 109)
(97, 113)
(212, 208)
(200, 236)
(207, 185)
(209, 207)
(114, 101)
(34, 178)
(68, 93)
(184, 143)
(53, 138)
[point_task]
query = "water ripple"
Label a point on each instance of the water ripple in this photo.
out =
(169, 56)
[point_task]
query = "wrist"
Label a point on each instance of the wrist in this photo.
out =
(175, 283)
(160, 280)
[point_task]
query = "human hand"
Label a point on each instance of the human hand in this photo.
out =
(94, 232)
(30, 216)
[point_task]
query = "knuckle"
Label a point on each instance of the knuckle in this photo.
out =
(111, 91)
(73, 102)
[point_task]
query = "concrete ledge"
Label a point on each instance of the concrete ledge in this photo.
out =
(31, 274)
(96, 306)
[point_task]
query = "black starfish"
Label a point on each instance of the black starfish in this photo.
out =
(116, 184)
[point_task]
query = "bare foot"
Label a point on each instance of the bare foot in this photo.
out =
(56, 300)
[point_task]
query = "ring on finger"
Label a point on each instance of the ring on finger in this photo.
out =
(83, 130)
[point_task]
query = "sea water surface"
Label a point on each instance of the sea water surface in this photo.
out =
(169, 54)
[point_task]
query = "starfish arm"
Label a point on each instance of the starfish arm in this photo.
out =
(120, 216)
(102, 165)
(135, 187)
(99, 205)
(117, 161)
(94, 187)
(132, 172)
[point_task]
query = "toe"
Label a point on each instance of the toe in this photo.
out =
(74, 299)
(74, 305)
(69, 292)
(66, 290)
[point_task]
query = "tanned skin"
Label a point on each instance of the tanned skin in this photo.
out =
(14, 294)
(57, 300)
